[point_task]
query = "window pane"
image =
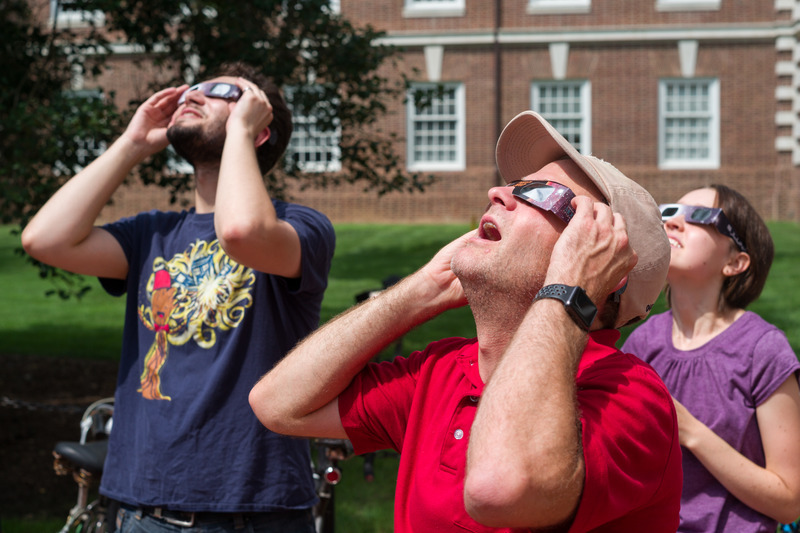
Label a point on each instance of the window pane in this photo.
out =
(687, 121)
(562, 104)
(435, 123)
(83, 150)
(313, 149)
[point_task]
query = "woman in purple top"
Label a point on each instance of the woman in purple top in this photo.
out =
(733, 376)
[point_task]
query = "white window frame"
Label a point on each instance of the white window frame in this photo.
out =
(688, 5)
(74, 18)
(458, 131)
(711, 116)
(547, 7)
(584, 114)
(325, 144)
(433, 8)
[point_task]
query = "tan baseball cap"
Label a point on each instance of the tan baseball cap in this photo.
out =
(529, 142)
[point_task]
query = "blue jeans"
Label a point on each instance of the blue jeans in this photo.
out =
(300, 521)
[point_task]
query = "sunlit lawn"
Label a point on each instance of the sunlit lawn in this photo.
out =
(33, 323)
(36, 324)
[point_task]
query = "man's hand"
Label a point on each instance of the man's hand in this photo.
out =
(148, 127)
(62, 233)
(253, 112)
(300, 395)
(593, 252)
(444, 286)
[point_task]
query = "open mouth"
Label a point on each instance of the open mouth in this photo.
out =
(489, 231)
(674, 244)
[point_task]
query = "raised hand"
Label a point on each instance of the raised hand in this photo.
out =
(593, 251)
(444, 286)
(148, 127)
(253, 110)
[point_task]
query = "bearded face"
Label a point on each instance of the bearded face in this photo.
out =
(487, 275)
(198, 144)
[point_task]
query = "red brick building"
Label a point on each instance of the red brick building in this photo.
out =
(675, 93)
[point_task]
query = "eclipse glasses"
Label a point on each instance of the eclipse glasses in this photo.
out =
(698, 214)
(547, 195)
(225, 91)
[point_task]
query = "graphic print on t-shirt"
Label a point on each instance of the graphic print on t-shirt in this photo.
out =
(190, 298)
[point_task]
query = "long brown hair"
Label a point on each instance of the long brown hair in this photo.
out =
(741, 290)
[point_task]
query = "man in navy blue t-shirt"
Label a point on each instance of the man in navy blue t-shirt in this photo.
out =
(216, 295)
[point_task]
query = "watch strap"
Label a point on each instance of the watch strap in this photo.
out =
(578, 305)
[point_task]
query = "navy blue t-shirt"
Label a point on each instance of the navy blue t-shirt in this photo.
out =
(200, 330)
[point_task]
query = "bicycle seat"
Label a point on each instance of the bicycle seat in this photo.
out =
(89, 456)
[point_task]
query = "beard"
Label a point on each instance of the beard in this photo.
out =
(495, 288)
(196, 144)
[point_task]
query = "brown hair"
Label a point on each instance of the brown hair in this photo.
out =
(741, 290)
(744, 288)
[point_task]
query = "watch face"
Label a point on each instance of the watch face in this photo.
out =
(582, 306)
(581, 300)
(579, 306)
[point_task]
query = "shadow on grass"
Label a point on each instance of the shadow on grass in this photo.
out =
(60, 340)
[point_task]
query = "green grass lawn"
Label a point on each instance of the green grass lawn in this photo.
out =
(33, 323)
(36, 324)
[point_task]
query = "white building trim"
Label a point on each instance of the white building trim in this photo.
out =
(765, 32)
(433, 62)
(687, 51)
(559, 58)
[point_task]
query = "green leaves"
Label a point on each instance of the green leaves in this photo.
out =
(301, 44)
(48, 133)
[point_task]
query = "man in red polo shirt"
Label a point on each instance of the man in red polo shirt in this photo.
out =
(539, 422)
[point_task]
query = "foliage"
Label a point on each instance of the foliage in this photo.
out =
(40, 119)
(331, 67)
(44, 127)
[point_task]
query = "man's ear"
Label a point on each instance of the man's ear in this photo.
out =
(620, 288)
(737, 264)
(263, 137)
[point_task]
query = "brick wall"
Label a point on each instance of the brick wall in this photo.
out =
(624, 90)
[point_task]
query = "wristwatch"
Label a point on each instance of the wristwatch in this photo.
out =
(579, 306)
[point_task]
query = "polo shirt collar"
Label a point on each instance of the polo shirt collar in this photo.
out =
(601, 344)
(467, 360)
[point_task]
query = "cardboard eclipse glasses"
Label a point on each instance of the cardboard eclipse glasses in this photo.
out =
(225, 91)
(698, 214)
(548, 195)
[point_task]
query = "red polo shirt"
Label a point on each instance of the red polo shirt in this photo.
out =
(423, 407)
